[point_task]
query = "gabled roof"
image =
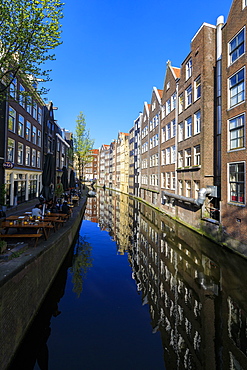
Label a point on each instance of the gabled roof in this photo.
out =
(176, 71)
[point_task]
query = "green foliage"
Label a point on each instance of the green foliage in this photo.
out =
(3, 195)
(82, 261)
(29, 31)
(82, 143)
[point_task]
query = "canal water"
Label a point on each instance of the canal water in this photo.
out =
(139, 291)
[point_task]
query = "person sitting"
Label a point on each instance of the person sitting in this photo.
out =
(65, 208)
(37, 210)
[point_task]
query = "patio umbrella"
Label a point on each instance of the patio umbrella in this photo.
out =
(72, 179)
(48, 177)
(64, 179)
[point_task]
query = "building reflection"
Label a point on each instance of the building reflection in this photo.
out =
(196, 290)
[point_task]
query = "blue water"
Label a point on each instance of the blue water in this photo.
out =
(106, 326)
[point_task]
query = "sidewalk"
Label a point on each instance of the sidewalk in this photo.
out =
(23, 207)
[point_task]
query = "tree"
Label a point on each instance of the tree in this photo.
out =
(29, 31)
(82, 144)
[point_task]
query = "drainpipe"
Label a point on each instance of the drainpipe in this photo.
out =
(203, 192)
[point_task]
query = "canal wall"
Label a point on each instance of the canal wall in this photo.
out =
(210, 229)
(25, 280)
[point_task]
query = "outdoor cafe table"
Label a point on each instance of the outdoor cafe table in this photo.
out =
(59, 215)
(44, 226)
(16, 217)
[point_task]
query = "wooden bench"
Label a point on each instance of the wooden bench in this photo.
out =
(18, 236)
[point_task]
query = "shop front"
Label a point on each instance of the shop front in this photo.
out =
(22, 185)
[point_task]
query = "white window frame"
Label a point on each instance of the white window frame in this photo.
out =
(21, 123)
(188, 157)
(34, 157)
(168, 106)
(180, 103)
(168, 155)
(180, 131)
(180, 158)
(188, 96)
(28, 156)
(237, 132)
(236, 199)
(197, 122)
(12, 118)
(197, 155)
(188, 68)
(188, 127)
(34, 135)
(235, 86)
(197, 88)
(11, 150)
(20, 152)
(237, 47)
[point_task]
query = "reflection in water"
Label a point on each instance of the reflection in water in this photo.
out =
(34, 349)
(81, 263)
(196, 290)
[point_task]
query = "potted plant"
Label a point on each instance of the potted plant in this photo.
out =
(3, 197)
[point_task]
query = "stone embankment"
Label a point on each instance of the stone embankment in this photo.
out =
(25, 280)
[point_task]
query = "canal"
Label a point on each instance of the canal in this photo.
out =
(140, 291)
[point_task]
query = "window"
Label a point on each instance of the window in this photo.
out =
(236, 47)
(35, 110)
(197, 155)
(173, 154)
(20, 153)
(12, 119)
(163, 135)
(180, 131)
(188, 96)
(236, 130)
(168, 155)
(22, 96)
(180, 187)
(180, 159)
(173, 128)
(180, 103)
(29, 105)
(28, 131)
(33, 158)
(39, 115)
(188, 68)
(188, 127)
(38, 159)
(188, 188)
(236, 86)
(236, 182)
(173, 101)
(163, 157)
(34, 135)
(13, 88)
(198, 88)
(197, 122)
(39, 138)
(197, 186)
(28, 156)
(168, 131)
(188, 157)
(21, 126)
(168, 180)
(173, 180)
(163, 183)
(11, 150)
(168, 106)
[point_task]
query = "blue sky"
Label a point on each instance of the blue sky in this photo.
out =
(114, 52)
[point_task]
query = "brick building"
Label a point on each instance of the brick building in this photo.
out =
(233, 174)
